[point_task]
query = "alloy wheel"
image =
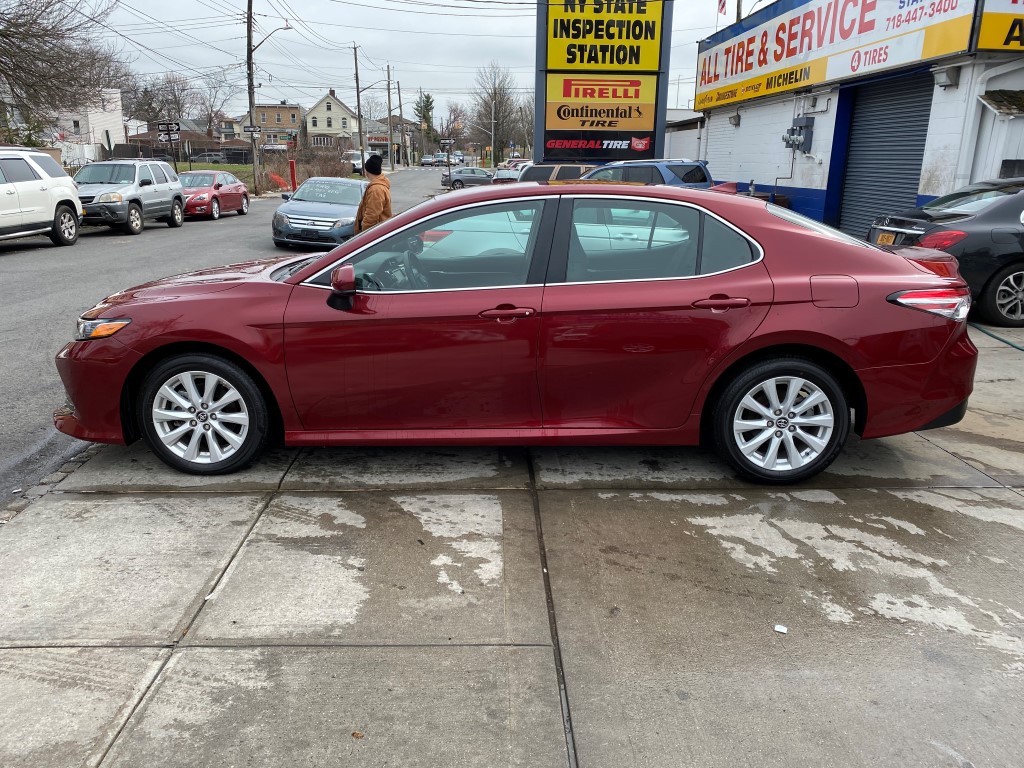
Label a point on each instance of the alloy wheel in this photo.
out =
(68, 225)
(200, 417)
(1010, 296)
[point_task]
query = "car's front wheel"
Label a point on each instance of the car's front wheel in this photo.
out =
(202, 414)
(781, 421)
(134, 224)
(1002, 302)
(177, 217)
(65, 227)
(215, 208)
(245, 206)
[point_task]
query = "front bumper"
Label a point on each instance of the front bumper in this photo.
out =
(93, 374)
(104, 213)
(327, 238)
(197, 208)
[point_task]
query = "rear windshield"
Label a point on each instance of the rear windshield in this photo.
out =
(815, 226)
(106, 173)
(972, 199)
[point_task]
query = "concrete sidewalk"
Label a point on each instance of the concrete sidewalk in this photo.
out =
(545, 607)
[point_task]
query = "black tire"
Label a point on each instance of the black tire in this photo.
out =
(245, 206)
(238, 436)
(177, 217)
(457, 184)
(215, 209)
(811, 438)
(65, 226)
(135, 223)
(1002, 301)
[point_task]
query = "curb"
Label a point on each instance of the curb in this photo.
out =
(26, 497)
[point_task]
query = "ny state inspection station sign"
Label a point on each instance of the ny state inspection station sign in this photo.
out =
(602, 77)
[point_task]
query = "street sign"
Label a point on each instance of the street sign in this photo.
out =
(175, 127)
(166, 137)
(251, 128)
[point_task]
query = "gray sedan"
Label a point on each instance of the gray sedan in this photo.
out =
(465, 177)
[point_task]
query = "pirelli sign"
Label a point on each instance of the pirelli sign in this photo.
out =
(602, 66)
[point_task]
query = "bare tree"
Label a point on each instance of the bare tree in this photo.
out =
(526, 115)
(50, 59)
(456, 123)
(494, 94)
(375, 108)
(214, 96)
(180, 98)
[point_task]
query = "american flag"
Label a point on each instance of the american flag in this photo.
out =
(721, 7)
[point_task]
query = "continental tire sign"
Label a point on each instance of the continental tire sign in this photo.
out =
(1002, 26)
(602, 65)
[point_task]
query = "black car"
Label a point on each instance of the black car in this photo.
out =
(982, 225)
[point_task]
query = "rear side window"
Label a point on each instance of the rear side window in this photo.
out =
(50, 167)
(3, 179)
(643, 174)
(158, 174)
(536, 173)
(722, 248)
(15, 169)
(609, 174)
(689, 174)
(568, 172)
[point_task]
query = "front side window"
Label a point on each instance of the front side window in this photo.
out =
(627, 240)
(484, 247)
(643, 174)
(144, 173)
(15, 169)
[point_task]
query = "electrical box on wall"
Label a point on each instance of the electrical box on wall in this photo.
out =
(800, 134)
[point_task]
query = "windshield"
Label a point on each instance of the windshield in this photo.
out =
(972, 199)
(106, 173)
(192, 180)
(323, 191)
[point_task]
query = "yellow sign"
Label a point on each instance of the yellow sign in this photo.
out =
(601, 102)
(620, 35)
(1002, 26)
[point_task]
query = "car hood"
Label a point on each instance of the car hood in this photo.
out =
(198, 283)
(98, 189)
(317, 210)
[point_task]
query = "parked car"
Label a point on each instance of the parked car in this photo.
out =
(322, 212)
(427, 160)
(505, 176)
(37, 197)
(124, 193)
(214, 158)
(651, 314)
(552, 171)
(355, 157)
(465, 177)
(211, 193)
(982, 225)
(677, 173)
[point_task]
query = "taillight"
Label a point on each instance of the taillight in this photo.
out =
(953, 303)
(941, 264)
(943, 240)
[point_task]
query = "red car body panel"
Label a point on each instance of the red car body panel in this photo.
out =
(598, 363)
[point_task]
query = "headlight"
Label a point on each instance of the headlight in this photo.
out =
(201, 198)
(99, 329)
(280, 219)
(109, 197)
(344, 222)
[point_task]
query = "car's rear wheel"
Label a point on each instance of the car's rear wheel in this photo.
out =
(177, 217)
(781, 421)
(457, 184)
(215, 208)
(65, 226)
(245, 206)
(1002, 302)
(134, 224)
(202, 414)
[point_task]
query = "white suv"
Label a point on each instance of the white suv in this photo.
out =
(37, 197)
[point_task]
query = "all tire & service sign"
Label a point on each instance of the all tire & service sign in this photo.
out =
(602, 77)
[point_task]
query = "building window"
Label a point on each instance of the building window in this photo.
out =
(293, 118)
(329, 122)
(263, 117)
(344, 123)
(328, 106)
(76, 126)
(312, 121)
(277, 117)
(321, 141)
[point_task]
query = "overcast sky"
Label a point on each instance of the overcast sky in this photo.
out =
(436, 45)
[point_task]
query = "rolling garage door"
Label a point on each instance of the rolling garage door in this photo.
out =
(883, 163)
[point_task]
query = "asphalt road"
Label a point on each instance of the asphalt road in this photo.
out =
(45, 288)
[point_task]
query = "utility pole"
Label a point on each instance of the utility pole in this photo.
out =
(359, 109)
(494, 159)
(252, 100)
(391, 126)
(739, 10)
(401, 121)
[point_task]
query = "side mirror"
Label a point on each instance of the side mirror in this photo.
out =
(286, 196)
(218, 185)
(343, 280)
(145, 182)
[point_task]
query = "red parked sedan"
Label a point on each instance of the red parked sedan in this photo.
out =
(211, 193)
(537, 314)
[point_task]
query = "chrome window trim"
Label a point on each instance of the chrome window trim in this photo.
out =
(898, 229)
(463, 207)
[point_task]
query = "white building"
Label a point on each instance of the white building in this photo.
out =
(855, 108)
(91, 134)
(330, 123)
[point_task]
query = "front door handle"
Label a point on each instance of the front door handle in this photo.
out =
(10, 191)
(506, 313)
(722, 303)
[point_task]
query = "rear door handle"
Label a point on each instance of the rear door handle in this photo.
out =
(722, 303)
(627, 236)
(506, 313)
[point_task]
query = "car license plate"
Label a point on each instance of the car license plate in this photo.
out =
(886, 238)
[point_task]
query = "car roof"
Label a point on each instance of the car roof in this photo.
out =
(655, 160)
(338, 179)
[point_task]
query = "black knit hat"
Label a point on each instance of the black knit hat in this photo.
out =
(374, 164)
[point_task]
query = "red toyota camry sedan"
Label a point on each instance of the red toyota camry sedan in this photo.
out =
(211, 193)
(538, 314)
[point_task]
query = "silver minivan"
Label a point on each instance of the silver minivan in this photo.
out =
(125, 193)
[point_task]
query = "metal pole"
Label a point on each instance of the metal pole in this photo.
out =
(739, 10)
(252, 100)
(359, 109)
(401, 122)
(391, 126)
(494, 158)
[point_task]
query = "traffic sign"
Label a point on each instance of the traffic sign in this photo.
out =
(175, 127)
(251, 128)
(166, 137)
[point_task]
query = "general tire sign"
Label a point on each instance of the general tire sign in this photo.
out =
(602, 79)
